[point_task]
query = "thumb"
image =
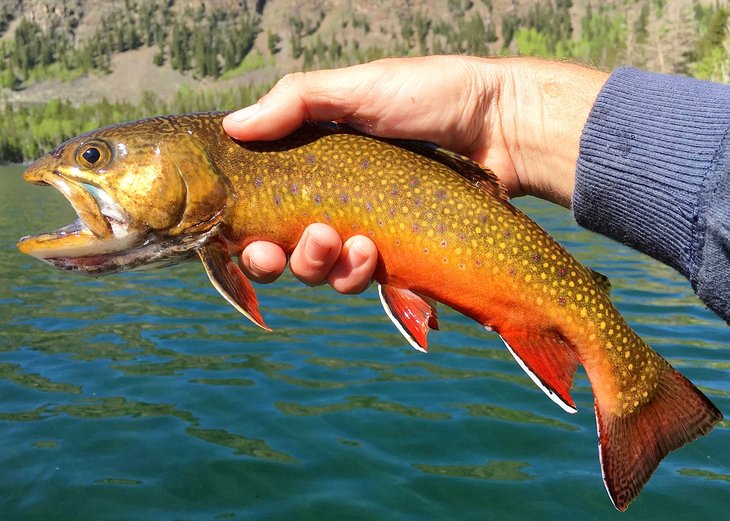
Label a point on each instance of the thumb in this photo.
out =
(297, 97)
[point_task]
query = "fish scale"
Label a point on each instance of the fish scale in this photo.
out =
(168, 189)
(401, 203)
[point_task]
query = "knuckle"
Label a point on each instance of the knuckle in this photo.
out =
(291, 79)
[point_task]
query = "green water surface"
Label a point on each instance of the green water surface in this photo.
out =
(144, 396)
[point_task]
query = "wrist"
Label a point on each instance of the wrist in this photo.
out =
(543, 107)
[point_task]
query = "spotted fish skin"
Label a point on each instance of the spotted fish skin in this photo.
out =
(445, 232)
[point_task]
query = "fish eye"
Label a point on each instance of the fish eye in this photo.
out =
(93, 155)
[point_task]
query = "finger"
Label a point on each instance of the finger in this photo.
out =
(355, 267)
(297, 97)
(315, 254)
(262, 261)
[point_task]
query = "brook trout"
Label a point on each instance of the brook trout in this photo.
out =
(166, 189)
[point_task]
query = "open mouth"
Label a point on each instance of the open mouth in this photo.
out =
(101, 228)
(103, 238)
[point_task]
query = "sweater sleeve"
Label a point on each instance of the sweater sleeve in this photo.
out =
(654, 173)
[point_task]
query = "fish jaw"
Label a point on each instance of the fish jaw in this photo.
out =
(75, 248)
(104, 239)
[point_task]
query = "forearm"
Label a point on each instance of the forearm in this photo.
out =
(653, 174)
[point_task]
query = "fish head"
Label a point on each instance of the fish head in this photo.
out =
(146, 194)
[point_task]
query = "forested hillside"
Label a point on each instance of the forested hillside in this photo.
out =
(67, 66)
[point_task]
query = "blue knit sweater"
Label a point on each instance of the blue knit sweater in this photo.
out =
(654, 174)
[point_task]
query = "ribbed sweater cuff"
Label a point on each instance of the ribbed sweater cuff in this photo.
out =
(648, 167)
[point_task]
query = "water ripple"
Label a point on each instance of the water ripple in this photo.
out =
(145, 396)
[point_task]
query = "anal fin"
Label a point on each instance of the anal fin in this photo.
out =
(231, 283)
(548, 361)
(412, 314)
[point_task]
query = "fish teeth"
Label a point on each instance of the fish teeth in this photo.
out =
(72, 227)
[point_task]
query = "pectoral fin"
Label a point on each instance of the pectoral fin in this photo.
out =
(548, 361)
(230, 282)
(412, 314)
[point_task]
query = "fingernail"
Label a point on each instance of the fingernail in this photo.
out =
(313, 250)
(256, 269)
(247, 113)
(358, 255)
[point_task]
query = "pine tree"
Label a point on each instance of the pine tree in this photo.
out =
(272, 41)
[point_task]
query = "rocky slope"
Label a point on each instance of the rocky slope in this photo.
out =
(321, 33)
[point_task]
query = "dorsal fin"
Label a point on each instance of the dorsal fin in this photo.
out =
(478, 174)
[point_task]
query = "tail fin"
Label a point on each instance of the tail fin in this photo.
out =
(632, 446)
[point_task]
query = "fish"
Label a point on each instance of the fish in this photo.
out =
(167, 189)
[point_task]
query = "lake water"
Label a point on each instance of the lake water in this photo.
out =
(145, 396)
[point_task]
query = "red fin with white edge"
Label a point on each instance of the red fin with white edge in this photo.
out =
(548, 361)
(230, 282)
(632, 445)
(412, 314)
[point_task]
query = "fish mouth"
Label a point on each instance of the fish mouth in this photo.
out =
(103, 239)
(96, 209)
(101, 230)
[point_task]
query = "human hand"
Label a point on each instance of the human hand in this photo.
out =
(521, 117)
